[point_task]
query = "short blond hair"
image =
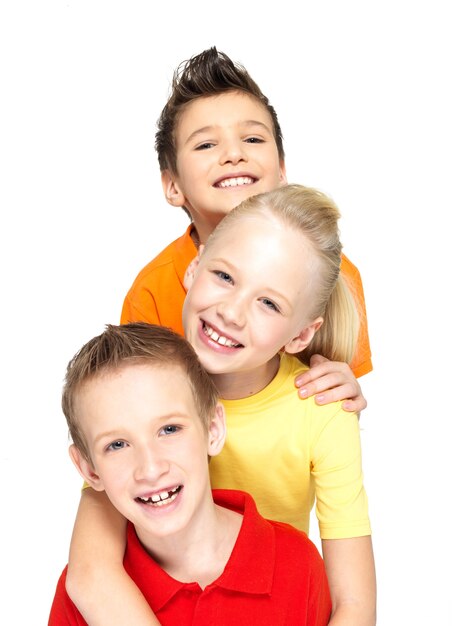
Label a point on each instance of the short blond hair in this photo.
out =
(129, 344)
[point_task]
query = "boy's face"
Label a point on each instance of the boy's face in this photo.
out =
(148, 447)
(250, 295)
(226, 152)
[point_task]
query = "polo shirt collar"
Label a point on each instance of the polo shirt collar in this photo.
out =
(249, 568)
(251, 564)
(157, 586)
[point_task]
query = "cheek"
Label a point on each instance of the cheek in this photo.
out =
(114, 474)
(271, 333)
(187, 313)
(200, 294)
(195, 170)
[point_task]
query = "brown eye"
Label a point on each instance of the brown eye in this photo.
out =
(205, 146)
(254, 140)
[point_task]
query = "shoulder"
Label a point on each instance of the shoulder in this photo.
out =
(347, 267)
(288, 535)
(351, 273)
(290, 368)
(178, 250)
(294, 549)
(290, 364)
(170, 263)
(258, 530)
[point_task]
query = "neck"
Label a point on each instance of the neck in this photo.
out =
(203, 228)
(201, 554)
(236, 385)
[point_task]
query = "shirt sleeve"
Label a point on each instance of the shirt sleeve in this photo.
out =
(336, 467)
(362, 362)
(140, 309)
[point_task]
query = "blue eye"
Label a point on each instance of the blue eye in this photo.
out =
(170, 429)
(223, 276)
(270, 304)
(117, 445)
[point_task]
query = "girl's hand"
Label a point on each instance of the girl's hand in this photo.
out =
(331, 381)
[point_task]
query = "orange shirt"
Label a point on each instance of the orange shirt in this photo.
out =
(158, 293)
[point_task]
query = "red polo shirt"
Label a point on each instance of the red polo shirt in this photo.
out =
(274, 576)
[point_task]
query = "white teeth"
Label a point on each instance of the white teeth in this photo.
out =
(159, 499)
(163, 502)
(223, 341)
(159, 496)
(236, 182)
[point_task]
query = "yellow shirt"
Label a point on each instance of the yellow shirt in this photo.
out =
(288, 452)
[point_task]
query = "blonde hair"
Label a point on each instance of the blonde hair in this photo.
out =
(316, 216)
(131, 344)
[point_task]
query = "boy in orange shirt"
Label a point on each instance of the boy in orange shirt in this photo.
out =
(218, 142)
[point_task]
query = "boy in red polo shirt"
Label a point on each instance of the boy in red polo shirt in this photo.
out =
(198, 558)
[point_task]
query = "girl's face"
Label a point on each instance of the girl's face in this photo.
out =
(249, 294)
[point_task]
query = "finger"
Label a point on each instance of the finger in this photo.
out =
(334, 394)
(317, 359)
(340, 371)
(356, 405)
(330, 382)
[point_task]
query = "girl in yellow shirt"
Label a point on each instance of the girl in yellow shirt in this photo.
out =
(265, 289)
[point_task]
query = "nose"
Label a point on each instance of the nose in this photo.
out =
(150, 463)
(232, 311)
(233, 152)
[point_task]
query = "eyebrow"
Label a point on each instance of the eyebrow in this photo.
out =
(206, 129)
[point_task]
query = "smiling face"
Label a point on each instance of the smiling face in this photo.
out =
(248, 297)
(149, 448)
(226, 152)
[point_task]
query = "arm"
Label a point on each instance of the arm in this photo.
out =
(351, 575)
(96, 581)
(331, 381)
(342, 511)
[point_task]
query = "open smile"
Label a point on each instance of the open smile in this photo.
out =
(162, 498)
(222, 340)
(237, 181)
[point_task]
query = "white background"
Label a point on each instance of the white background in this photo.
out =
(362, 93)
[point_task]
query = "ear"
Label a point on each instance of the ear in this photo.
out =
(282, 172)
(191, 269)
(171, 189)
(85, 469)
(217, 431)
(302, 341)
